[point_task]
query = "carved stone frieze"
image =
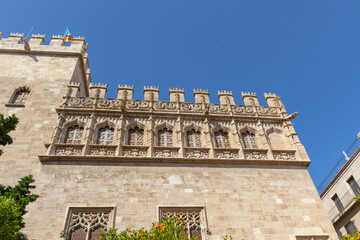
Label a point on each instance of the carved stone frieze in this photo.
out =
(165, 106)
(135, 151)
(102, 150)
(227, 153)
(141, 105)
(219, 109)
(243, 110)
(68, 150)
(196, 152)
(257, 154)
(267, 111)
(284, 155)
(81, 102)
(191, 107)
(105, 103)
(166, 152)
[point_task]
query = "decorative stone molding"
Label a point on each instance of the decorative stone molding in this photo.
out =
(312, 237)
(256, 154)
(196, 152)
(166, 151)
(288, 155)
(68, 149)
(102, 150)
(227, 153)
(135, 151)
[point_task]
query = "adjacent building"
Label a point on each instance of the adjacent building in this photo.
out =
(226, 169)
(339, 189)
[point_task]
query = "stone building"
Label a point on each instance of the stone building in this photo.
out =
(339, 189)
(100, 163)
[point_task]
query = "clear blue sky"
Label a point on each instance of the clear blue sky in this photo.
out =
(307, 51)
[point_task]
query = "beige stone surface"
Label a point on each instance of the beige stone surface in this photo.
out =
(262, 193)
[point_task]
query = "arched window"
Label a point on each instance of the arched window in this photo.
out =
(249, 139)
(165, 138)
(136, 136)
(74, 134)
(222, 139)
(193, 138)
(19, 96)
(105, 136)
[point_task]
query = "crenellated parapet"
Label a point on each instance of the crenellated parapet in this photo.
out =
(125, 92)
(177, 94)
(201, 95)
(151, 93)
(250, 98)
(226, 97)
(98, 90)
(273, 100)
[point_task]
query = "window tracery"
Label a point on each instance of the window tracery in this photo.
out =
(74, 134)
(193, 138)
(105, 136)
(136, 137)
(86, 224)
(191, 216)
(249, 140)
(222, 139)
(165, 138)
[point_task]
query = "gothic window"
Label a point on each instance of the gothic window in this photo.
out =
(222, 139)
(193, 138)
(249, 140)
(87, 223)
(165, 138)
(74, 134)
(19, 96)
(136, 136)
(105, 136)
(192, 216)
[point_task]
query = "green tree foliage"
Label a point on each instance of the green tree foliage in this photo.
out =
(6, 125)
(13, 202)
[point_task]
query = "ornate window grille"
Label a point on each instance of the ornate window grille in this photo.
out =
(136, 137)
(193, 138)
(105, 136)
(249, 140)
(19, 96)
(87, 223)
(74, 134)
(222, 139)
(165, 138)
(194, 218)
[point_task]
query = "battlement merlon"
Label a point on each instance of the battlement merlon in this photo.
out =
(151, 93)
(250, 99)
(98, 90)
(177, 94)
(125, 92)
(226, 97)
(273, 100)
(74, 89)
(37, 39)
(201, 95)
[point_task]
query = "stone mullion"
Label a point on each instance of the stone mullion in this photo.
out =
(236, 138)
(180, 136)
(150, 136)
(265, 140)
(89, 135)
(209, 142)
(120, 137)
(56, 135)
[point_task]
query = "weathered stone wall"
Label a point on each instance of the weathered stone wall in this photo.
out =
(250, 202)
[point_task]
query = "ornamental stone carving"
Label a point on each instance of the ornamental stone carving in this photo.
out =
(284, 155)
(73, 150)
(196, 152)
(255, 154)
(227, 153)
(135, 151)
(102, 151)
(166, 152)
(81, 102)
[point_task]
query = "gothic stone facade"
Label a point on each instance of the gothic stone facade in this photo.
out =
(100, 163)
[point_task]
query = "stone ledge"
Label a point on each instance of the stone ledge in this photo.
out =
(126, 159)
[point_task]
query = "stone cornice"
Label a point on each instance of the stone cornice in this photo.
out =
(215, 161)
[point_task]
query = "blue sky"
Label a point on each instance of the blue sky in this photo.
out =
(307, 51)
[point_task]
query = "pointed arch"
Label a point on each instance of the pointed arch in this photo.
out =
(72, 132)
(248, 137)
(104, 133)
(164, 134)
(19, 95)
